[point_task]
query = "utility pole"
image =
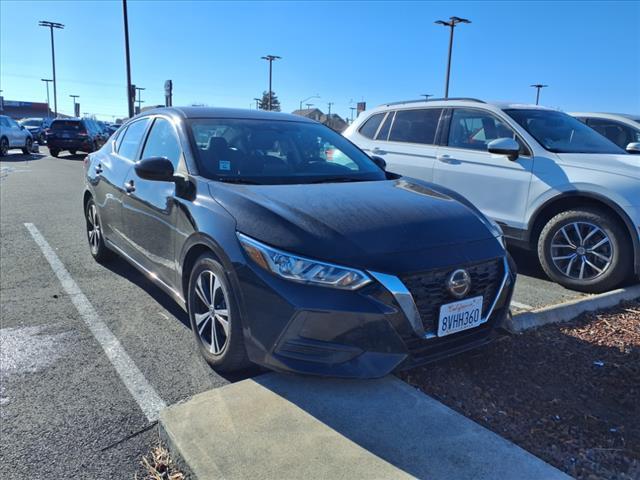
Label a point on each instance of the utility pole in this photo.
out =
(270, 59)
(74, 104)
(309, 105)
(453, 21)
(46, 81)
(426, 95)
(329, 105)
(352, 109)
(51, 26)
(538, 87)
(308, 98)
(130, 93)
(258, 100)
(140, 101)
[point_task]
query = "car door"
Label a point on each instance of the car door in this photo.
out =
(107, 173)
(150, 206)
(17, 136)
(498, 186)
(406, 141)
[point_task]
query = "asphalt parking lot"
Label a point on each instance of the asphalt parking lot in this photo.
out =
(65, 411)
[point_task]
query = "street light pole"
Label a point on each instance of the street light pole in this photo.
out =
(46, 81)
(453, 21)
(426, 95)
(329, 105)
(51, 26)
(538, 87)
(352, 109)
(308, 98)
(74, 104)
(130, 98)
(258, 100)
(270, 59)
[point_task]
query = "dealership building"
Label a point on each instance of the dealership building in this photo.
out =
(17, 109)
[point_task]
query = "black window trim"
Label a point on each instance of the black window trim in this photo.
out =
(445, 138)
(438, 126)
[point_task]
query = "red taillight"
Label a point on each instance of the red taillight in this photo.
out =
(83, 134)
(86, 161)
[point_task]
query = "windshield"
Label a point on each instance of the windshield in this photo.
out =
(34, 122)
(561, 133)
(73, 125)
(275, 152)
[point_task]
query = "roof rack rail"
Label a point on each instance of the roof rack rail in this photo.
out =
(470, 99)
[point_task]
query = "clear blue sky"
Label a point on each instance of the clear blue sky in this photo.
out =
(588, 52)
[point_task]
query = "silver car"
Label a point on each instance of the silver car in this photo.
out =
(13, 135)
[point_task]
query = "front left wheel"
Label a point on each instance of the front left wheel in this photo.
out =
(28, 144)
(215, 318)
(97, 247)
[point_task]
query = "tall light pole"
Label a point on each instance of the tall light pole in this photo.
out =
(130, 94)
(46, 81)
(453, 21)
(140, 101)
(308, 98)
(51, 26)
(426, 95)
(74, 104)
(270, 59)
(329, 104)
(258, 100)
(538, 87)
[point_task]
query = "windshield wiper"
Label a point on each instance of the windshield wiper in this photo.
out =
(237, 180)
(337, 180)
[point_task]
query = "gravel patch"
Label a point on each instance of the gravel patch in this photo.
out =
(568, 393)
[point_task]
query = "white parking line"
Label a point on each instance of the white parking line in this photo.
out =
(141, 390)
(521, 306)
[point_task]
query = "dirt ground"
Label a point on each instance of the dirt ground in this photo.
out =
(568, 393)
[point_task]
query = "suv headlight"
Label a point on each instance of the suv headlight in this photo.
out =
(302, 270)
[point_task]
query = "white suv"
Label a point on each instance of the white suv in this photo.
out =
(552, 183)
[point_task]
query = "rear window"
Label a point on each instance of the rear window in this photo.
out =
(370, 127)
(66, 125)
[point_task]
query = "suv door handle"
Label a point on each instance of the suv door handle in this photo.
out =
(130, 187)
(99, 169)
(444, 158)
(378, 151)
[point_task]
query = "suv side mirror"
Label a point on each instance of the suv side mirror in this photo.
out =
(633, 147)
(379, 162)
(155, 168)
(504, 146)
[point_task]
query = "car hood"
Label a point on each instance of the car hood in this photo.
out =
(351, 222)
(621, 164)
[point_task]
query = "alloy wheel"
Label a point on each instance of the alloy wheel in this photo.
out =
(212, 312)
(93, 228)
(4, 147)
(581, 250)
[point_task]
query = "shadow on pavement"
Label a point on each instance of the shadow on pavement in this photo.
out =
(21, 157)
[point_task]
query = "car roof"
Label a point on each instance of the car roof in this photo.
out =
(462, 101)
(605, 115)
(217, 112)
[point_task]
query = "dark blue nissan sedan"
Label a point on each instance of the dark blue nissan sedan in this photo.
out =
(291, 248)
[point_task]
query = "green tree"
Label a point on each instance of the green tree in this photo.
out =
(264, 103)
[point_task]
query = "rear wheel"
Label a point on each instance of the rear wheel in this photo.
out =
(72, 152)
(28, 144)
(99, 250)
(4, 146)
(215, 318)
(54, 152)
(585, 250)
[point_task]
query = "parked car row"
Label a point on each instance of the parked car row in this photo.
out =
(14, 135)
(552, 183)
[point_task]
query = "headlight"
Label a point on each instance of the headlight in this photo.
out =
(303, 270)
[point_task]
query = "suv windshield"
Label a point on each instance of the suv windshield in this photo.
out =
(32, 122)
(275, 152)
(73, 125)
(562, 133)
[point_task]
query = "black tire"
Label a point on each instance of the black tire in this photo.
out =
(97, 247)
(28, 143)
(618, 249)
(232, 355)
(54, 152)
(72, 152)
(4, 147)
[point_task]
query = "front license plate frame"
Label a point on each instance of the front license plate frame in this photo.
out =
(459, 316)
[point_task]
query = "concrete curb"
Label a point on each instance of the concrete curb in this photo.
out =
(571, 309)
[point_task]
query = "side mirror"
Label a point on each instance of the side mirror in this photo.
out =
(155, 168)
(21, 127)
(633, 147)
(504, 146)
(379, 162)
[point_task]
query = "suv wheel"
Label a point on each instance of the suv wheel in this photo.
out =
(585, 250)
(28, 144)
(54, 152)
(215, 319)
(4, 146)
(72, 152)
(99, 250)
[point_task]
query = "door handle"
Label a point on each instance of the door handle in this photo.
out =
(99, 169)
(444, 158)
(378, 151)
(130, 187)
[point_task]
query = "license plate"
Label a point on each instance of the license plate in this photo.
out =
(66, 135)
(461, 315)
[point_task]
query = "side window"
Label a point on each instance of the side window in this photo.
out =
(119, 138)
(617, 132)
(370, 127)
(383, 134)
(474, 129)
(131, 139)
(13, 123)
(416, 126)
(162, 142)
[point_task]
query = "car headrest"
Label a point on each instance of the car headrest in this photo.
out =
(262, 140)
(217, 146)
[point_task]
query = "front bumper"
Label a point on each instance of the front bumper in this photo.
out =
(358, 334)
